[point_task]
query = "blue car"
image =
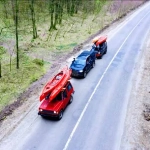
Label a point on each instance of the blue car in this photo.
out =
(82, 64)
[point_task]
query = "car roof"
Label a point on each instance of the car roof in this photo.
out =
(84, 54)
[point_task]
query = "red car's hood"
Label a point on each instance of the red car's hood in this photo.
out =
(53, 105)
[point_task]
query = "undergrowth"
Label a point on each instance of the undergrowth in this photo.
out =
(15, 81)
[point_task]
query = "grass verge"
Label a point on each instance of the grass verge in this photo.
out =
(15, 81)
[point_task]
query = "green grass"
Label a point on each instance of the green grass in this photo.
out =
(16, 81)
(66, 47)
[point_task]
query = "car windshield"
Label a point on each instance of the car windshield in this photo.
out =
(58, 97)
(79, 62)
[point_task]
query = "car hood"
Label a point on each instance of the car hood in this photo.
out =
(77, 67)
(51, 106)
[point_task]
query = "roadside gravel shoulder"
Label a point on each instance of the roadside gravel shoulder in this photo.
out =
(137, 124)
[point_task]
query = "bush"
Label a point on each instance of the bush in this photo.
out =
(38, 62)
(2, 50)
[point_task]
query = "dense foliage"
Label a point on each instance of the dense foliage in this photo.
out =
(31, 11)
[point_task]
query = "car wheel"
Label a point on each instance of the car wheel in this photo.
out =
(100, 57)
(60, 115)
(93, 65)
(105, 51)
(84, 74)
(44, 117)
(71, 99)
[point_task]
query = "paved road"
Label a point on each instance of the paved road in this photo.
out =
(95, 119)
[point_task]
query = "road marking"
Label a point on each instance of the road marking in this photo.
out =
(89, 100)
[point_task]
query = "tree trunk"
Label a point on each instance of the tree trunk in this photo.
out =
(72, 8)
(13, 9)
(61, 14)
(0, 69)
(56, 14)
(51, 10)
(33, 19)
(5, 9)
(68, 6)
(60, 11)
(16, 29)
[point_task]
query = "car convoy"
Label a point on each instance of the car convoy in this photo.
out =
(58, 92)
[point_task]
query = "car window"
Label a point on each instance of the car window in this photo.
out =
(87, 60)
(79, 61)
(58, 97)
(47, 96)
(64, 94)
(101, 45)
(69, 87)
(90, 58)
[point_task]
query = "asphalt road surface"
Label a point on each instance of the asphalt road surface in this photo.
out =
(95, 119)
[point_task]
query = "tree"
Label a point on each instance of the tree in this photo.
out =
(33, 19)
(51, 11)
(16, 31)
(5, 9)
(2, 51)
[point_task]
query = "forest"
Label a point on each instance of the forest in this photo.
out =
(34, 33)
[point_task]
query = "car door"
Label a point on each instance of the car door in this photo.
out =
(91, 61)
(88, 65)
(65, 98)
(103, 47)
(70, 91)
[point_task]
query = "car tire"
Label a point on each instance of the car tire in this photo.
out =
(93, 65)
(44, 117)
(71, 99)
(105, 51)
(84, 74)
(60, 115)
(100, 57)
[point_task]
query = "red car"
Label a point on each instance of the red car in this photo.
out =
(100, 46)
(56, 98)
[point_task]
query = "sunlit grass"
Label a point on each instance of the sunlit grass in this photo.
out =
(15, 81)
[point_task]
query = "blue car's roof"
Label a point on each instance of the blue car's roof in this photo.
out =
(84, 54)
(80, 61)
